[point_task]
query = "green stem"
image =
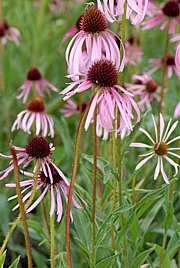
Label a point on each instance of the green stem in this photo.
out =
(114, 191)
(52, 240)
(22, 208)
(16, 222)
(74, 171)
(133, 190)
(94, 190)
(164, 67)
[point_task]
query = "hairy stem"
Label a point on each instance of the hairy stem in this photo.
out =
(114, 191)
(22, 208)
(74, 170)
(52, 240)
(15, 223)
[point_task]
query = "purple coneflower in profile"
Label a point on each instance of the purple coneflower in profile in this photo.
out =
(57, 184)
(136, 10)
(146, 88)
(70, 108)
(95, 41)
(34, 78)
(177, 110)
(9, 33)
(38, 150)
(168, 13)
(171, 66)
(35, 114)
(104, 76)
(159, 148)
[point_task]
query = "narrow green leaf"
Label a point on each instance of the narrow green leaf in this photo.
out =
(15, 263)
(140, 259)
(106, 261)
(2, 259)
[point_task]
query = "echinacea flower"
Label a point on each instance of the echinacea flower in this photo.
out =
(177, 110)
(146, 88)
(159, 148)
(57, 185)
(38, 150)
(168, 14)
(9, 33)
(70, 108)
(104, 76)
(170, 63)
(93, 42)
(35, 114)
(136, 10)
(34, 78)
(177, 57)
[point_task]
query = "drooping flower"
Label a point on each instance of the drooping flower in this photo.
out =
(34, 78)
(170, 63)
(136, 10)
(9, 33)
(146, 88)
(57, 185)
(159, 148)
(70, 108)
(38, 150)
(104, 76)
(177, 110)
(168, 14)
(93, 42)
(35, 114)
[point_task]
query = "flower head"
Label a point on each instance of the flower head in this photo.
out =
(168, 14)
(104, 76)
(70, 108)
(135, 12)
(9, 33)
(57, 184)
(38, 150)
(159, 148)
(34, 77)
(93, 42)
(170, 63)
(35, 114)
(146, 88)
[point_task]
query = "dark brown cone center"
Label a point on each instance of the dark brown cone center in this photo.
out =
(36, 105)
(161, 148)
(38, 148)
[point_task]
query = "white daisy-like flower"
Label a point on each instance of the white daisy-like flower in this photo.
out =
(159, 148)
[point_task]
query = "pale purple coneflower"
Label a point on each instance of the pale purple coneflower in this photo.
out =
(70, 108)
(168, 14)
(93, 42)
(103, 76)
(177, 110)
(57, 184)
(9, 33)
(176, 38)
(34, 78)
(35, 115)
(136, 10)
(171, 66)
(38, 150)
(146, 89)
(159, 148)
